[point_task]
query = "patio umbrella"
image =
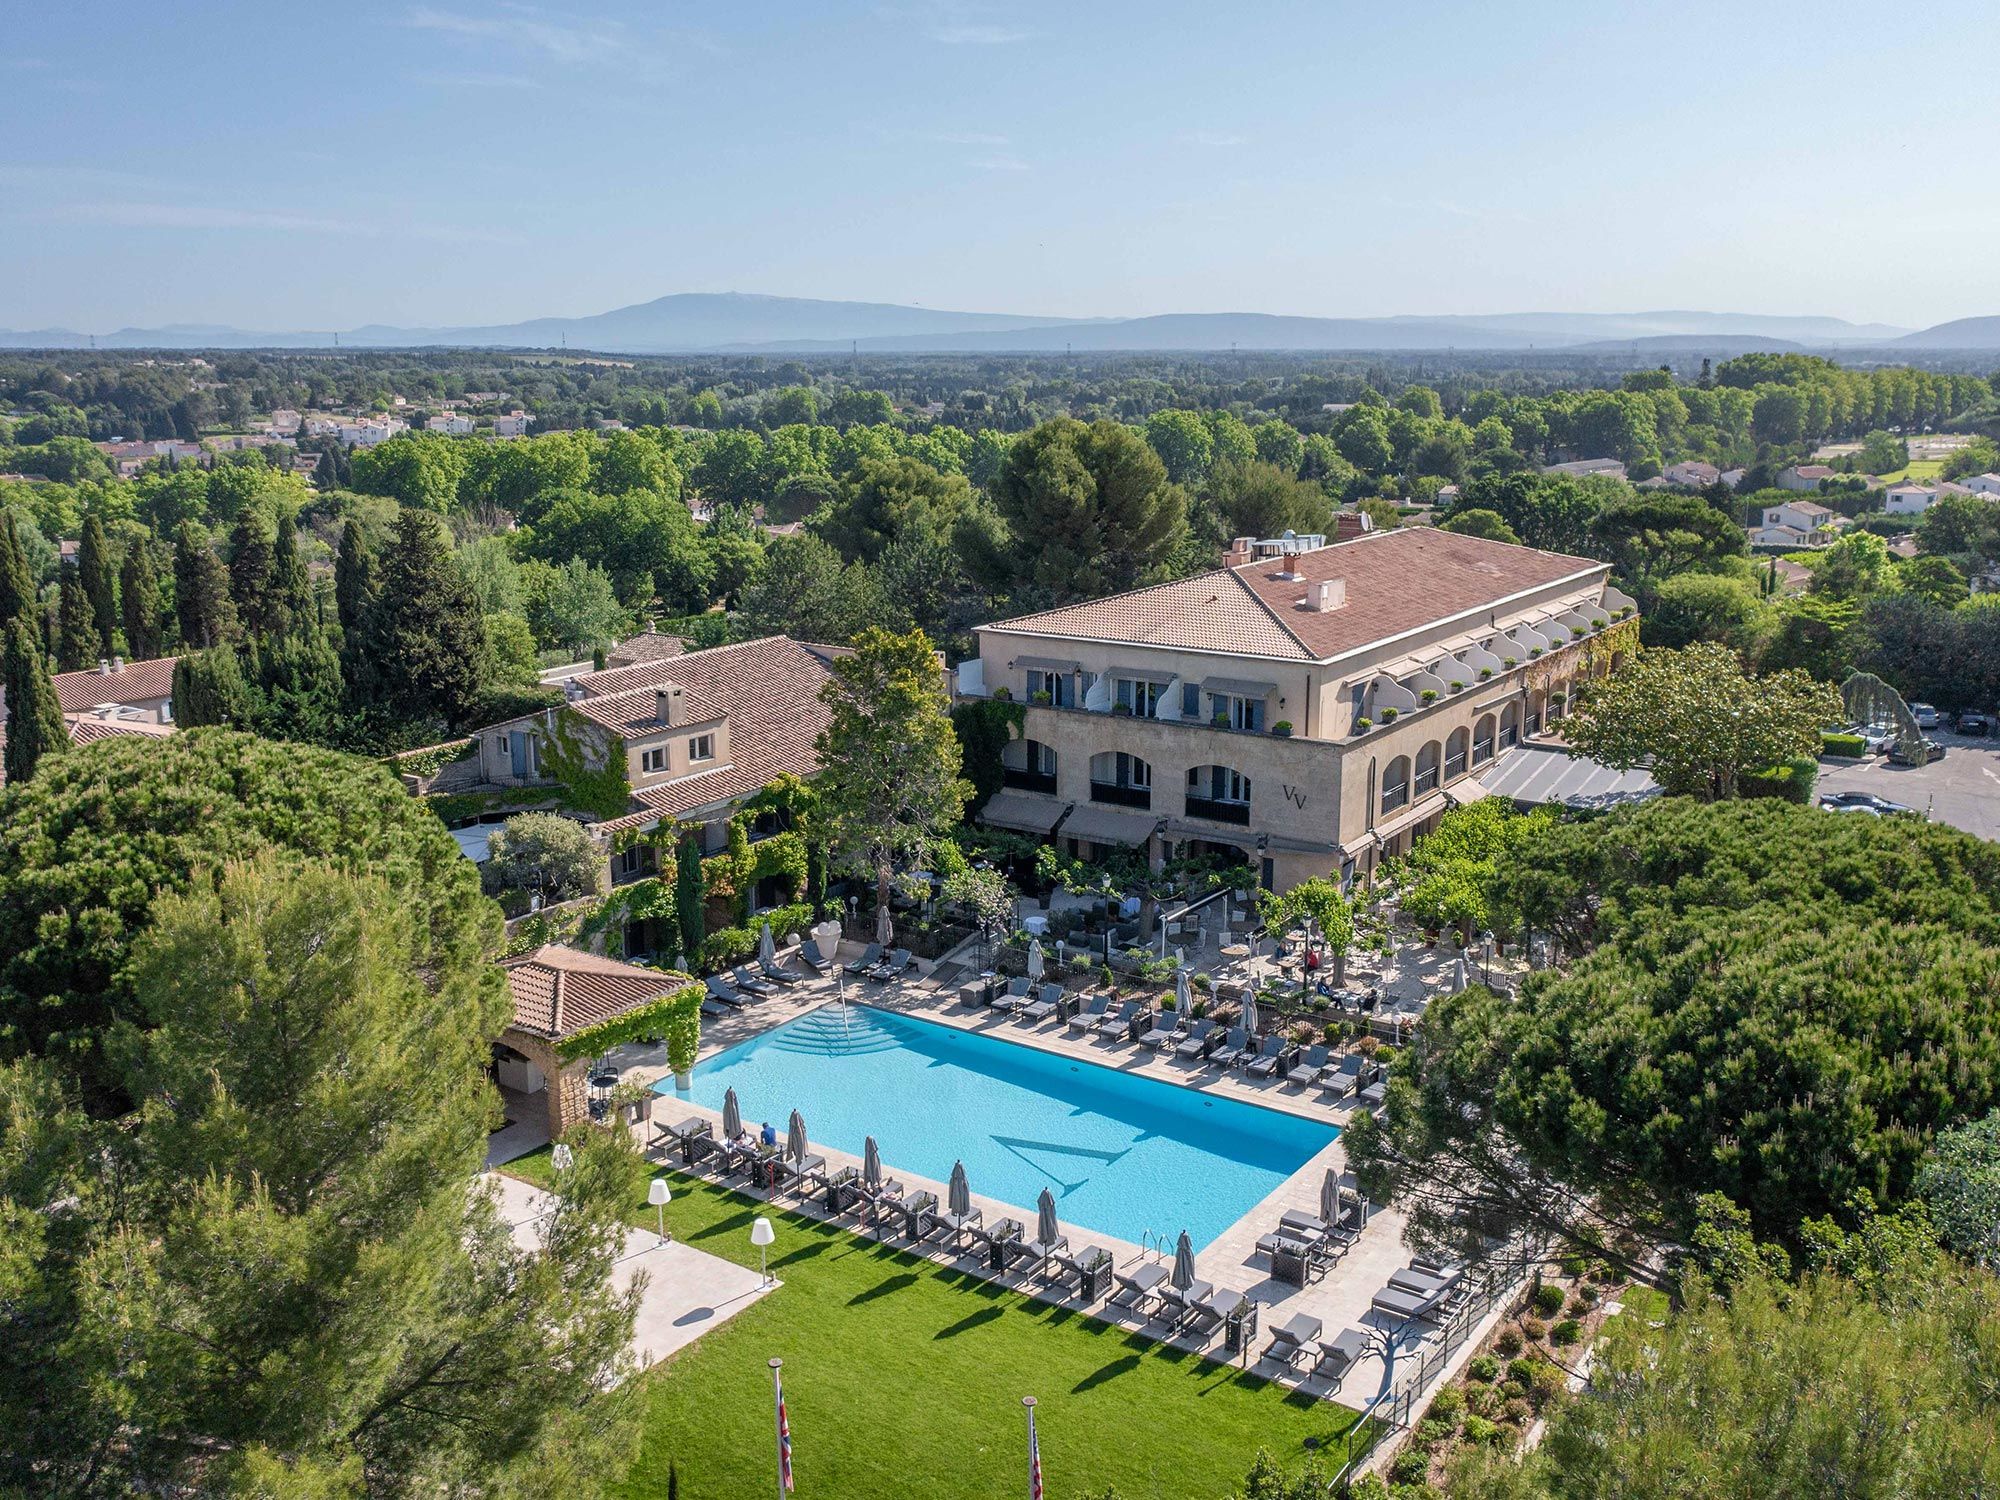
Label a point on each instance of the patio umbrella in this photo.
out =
(1329, 1196)
(1182, 999)
(732, 1116)
(884, 933)
(1035, 964)
(1183, 1276)
(871, 1163)
(1456, 984)
(958, 1196)
(767, 951)
(795, 1137)
(1250, 1011)
(1047, 1230)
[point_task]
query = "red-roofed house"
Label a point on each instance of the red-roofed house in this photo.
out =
(1307, 709)
(144, 690)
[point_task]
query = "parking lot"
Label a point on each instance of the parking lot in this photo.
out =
(1963, 789)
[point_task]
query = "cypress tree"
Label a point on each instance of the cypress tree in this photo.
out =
(17, 584)
(93, 564)
(35, 725)
(76, 624)
(690, 889)
(209, 689)
(302, 688)
(201, 590)
(293, 606)
(429, 639)
(251, 564)
(354, 583)
(139, 594)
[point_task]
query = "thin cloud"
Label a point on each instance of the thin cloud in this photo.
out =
(1002, 164)
(969, 138)
(127, 214)
(478, 80)
(953, 24)
(559, 38)
(969, 34)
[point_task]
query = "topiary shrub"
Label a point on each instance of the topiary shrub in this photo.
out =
(1429, 695)
(1363, 723)
(1448, 1404)
(1533, 1329)
(1483, 1367)
(1573, 1265)
(1282, 729)
(1480, 1430)
(1548, 1299)
(1565, 1333)
(1389, 715)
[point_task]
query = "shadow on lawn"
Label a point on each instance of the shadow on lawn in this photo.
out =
(969, 1322)
(888, 1286)
(1125, 1364)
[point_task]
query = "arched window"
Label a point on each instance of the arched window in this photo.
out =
(1220, 793)
(1510, 726)
(1534, 719)
(1427, 768)
(1120, 778)
(1029, 765)
(1396, 784)
(1482, 740)
(1455, 747)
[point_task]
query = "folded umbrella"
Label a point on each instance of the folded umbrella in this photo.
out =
(732, 1115)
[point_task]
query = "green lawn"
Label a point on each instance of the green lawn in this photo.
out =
(903, 1377)
(1918, 471)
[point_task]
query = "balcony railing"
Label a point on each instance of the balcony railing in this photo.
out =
(1028, 781)
(1121, 796)
(1427, 781)
(1217, 811)
(1395, 796)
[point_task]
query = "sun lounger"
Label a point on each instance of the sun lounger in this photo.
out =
(1191, 1047)
(1161, 1033)
(959, 1224)
(750, 984)
(1177, 1304)
(1047, 1002)
(1410, 1307)
(1118, 1026)
(1291, 1339)
(890, 968)
(1334, 1358)
(1375, 1095)
(1414, 1278)
(713, 1007)
(803, 1173)
(1209, 1312)
(778, 974)
(1003, 1231)
(718, 989)
(1137, 1284)
(1088, 1018)
(1232, 1049)
(868, 959)
(814, 959)
(1345, 1076)
(1037, 1256)
(1307, 1066)
(1013, 998)
(1265, 1063)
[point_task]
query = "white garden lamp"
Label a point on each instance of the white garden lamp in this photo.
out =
(761, 1235)
(660, 1195)
(562, 1158)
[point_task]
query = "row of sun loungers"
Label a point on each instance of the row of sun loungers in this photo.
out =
(1424, 1291)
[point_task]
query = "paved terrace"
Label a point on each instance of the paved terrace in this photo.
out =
(1340, 1299)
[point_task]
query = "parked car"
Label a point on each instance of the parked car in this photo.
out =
(1974, 723)
(1933, 751)
(1877, 737)
(1926, 716)
(1864, 802)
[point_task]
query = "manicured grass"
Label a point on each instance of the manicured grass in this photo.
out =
(903, 1377)
(1918, 471)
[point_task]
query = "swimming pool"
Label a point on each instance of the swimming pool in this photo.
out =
(1123, 1154)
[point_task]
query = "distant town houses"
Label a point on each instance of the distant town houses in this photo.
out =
(512, 424)
(450, 423)
(1806, 478)
(1983, 484)
(121, 691)
(1908, 499)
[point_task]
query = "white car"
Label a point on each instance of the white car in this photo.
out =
(1925, 715)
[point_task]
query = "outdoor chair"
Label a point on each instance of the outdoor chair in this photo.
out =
(779, 974)
(890, 968)
(1119, 1026)
(1177, 1304)
(1161, 1033)
(1307, 1067)
(1013, 998)
(718, 989)
(1375, 1095)
(1191, 1047)
(1291, 1339)
(868, 959)
(1335, 1358)
(959, 1224)
(801, 1174)
(1087, 1019)
(1003, 1231)
(1265, 1063)
(1136, 1285)
(1043, 1256)
(1047, 1002)
(1345, 1076)
(1232, 1049)
(814, 959)
(750, 984)
(1408, 1306)
(1209, 1312)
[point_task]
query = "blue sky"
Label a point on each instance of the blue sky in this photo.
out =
(463, 161)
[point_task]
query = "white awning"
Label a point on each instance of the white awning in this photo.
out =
(1408, 817)
(1048, 664)
(1110, 825)
(1238, 687)
(1025, 812)
(1466, 789)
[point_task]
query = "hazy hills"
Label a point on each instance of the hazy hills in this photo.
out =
(695, 322)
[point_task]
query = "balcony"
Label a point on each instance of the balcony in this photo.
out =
(1028, 781)
(1217, 811)
(1121, 796)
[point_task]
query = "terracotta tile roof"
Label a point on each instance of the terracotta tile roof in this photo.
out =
(135, 682)
(638, 709)
(559, 991)
(768, 689)
(86, 729)
(648, 645)
(1397, 581)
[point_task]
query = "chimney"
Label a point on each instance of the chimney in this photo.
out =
(668, 701)
(103, 666)
(117, 663)
(1239, 551)
(1327, 595)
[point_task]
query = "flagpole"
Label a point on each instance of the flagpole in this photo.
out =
(1034, 1452)
(778, 1412)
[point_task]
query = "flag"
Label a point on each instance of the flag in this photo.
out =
(784, 1439)
(1034, 1459)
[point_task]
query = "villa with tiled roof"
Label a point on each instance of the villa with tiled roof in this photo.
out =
(1308, 708)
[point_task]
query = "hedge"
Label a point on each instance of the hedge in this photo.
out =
(729, 945)
(1793, 781)
(1843, 744)
(672, 1016)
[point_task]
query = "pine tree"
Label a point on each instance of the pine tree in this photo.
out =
(209, 689)
(201, 590)
(250, 569)
(293, 606)
(302, 688)
(17, 584)
(76, 624)
(35, 725)
(94, 565)
(429, 639)
(354, 583)
(139, 594)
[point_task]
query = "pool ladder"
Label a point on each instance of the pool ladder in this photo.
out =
(1156, 1243)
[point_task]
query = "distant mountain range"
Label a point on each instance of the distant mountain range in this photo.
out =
(737, 322)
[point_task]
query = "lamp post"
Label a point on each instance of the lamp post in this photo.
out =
(1486, 959)
(660, 1195)
(562, 1158)
(761, 1235)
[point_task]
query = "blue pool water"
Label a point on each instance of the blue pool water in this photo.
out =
(1123, 1154)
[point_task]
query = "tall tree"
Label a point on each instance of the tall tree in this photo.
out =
(250, 571)
(17, 582)
(889, 779)
(430, 637)
(206, 613)
(1090, 509)
(94, 565)
(354, 582)
(689, 892)
(34, 718)
(297, 1285)
(209, 688)
(293, 607)
(77, 638)
(139, 597)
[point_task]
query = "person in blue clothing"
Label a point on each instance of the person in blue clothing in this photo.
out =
(768, 1135)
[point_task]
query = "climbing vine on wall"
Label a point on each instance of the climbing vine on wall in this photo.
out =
(566, 757)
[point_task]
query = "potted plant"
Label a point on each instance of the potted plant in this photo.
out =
(1510, 662)
(1282, 729)
(1577, 632)
(633, 1101)
(1622, 611)
(1363, 724)
(1220, 719)
(1457, 686)
(1123, 710)
(1484, 673)
(1429, 695)
(1004, 695)
(683, 1043)
(1041, 697)
(1389, 715)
